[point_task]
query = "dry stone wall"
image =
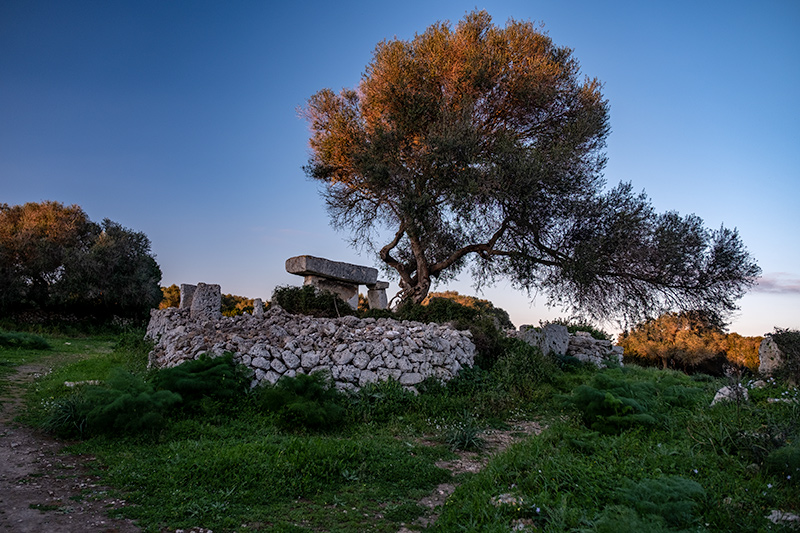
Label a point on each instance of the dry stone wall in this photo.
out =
(355, 351)
(556, 339)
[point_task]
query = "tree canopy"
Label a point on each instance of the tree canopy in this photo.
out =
(479, 146)
(689, 340)
(53, 258)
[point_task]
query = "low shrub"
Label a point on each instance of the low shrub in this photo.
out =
(306, 401)
(25, 341)
(788, 340)
(218, 378)
(610, 405)
(307, 300)
(522, 369)
(125, 405)
(785, 461)
(575, 325)
(672, 498)
(465, 434)
(379, 401)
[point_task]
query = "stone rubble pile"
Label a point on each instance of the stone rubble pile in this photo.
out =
(556, 339)
(354, 351)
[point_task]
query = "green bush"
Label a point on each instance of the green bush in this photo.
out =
(307, 300)
(612, 405)
(25, 341)
(574, 325)
(788, 340)
(218, 378)
(438, 310)
(125, 405)
(380, 401)
(306, 401)
(522, 369)
(672, 498)
(785, 461)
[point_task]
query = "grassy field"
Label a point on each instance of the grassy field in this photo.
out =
(627, 449)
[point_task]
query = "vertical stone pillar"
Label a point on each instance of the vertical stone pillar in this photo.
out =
(206, 302)
(187, 293)
(376, 295)
(258, 307)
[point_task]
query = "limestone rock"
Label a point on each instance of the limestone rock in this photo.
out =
(769, 355)
(727, 394)
(206, 302)
(307, 265)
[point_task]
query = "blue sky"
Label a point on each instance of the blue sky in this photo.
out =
(180, 119)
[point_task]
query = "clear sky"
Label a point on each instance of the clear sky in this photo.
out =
(179, 119)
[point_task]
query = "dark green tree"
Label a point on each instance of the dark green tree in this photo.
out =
(34, 240)
(117, 275)
(483, 146)
(54, 258)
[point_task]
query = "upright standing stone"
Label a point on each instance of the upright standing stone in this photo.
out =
(551, 339)
(187, 293)
(207, 302)
(376, 295)
(770, 356)
(258, 307)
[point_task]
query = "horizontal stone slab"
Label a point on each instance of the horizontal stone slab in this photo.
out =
(307, 265)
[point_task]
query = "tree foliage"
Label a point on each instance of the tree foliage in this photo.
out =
(483, 146)
(689, 341)
(54, 258)
(171, 297)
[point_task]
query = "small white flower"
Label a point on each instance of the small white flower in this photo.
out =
(538, 510)
(769, 485)
(695, 470)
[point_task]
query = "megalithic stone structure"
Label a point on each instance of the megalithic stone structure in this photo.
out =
(340, 278)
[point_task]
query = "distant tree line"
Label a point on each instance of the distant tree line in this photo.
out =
(690, 341)
(232, 305)
(54, 260)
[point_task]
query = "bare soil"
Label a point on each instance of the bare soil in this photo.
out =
(495, 441)
(43, 489)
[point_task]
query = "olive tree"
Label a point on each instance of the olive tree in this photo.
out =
(54, 258)
(479, 146)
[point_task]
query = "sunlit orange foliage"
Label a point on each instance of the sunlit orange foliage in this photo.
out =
(172, 296)
(687, 341)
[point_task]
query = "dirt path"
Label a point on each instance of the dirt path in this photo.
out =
(495, 441)
(41, 488)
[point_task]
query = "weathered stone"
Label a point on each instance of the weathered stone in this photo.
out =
(206, 302)
(309, 360)
(346, 291)
(366, 377)
(187, 292)
(260, 362)
(306, 265)
(411, 379)
(291, 360)
(272, 345)
(376, 295)
(361, 360)
(258, 308)
(727, 394)
(278, 366)
(770, 356)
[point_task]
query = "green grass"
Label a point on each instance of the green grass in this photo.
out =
(624, 450)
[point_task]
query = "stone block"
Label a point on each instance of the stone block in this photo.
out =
(187, 293)
(206, 302)
(307, 265)
(770, 356)
(377, 298)
(346, 291)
